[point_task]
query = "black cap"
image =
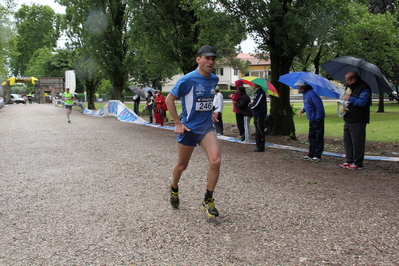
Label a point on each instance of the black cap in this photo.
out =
(207, 51)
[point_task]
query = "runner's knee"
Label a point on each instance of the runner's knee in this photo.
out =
(182, 166)
(215, 163)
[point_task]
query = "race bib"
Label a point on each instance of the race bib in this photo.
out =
(204, 104)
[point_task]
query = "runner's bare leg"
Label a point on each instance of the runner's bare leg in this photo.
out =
(210, 144)
(183, 157)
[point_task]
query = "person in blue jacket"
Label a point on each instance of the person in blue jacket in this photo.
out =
(314, 109)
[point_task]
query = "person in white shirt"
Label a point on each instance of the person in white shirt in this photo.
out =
(218, 110)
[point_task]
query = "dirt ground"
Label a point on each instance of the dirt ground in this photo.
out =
(95, 192)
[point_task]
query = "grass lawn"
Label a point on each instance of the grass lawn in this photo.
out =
(383, 127)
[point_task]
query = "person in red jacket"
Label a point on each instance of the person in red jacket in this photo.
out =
(160, 109)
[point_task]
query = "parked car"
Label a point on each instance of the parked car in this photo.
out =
(393, 96)
(15, 98)
(1, 102)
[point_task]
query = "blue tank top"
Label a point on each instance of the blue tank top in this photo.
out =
(196, 93)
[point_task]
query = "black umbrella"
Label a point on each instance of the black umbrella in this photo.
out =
(138, 91)
(338, 67)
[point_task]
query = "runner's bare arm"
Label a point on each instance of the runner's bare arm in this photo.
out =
(170, 103)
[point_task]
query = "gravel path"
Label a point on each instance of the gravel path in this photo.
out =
(94, 192)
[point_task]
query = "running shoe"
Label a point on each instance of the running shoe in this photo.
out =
(306, 158)
(209, 206)
(174, 198)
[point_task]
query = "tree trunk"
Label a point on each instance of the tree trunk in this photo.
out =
(90, 97)
(381, 104)
(118, 83)
(90, 87)
(316, 60)
(117, 94)
(280, 107)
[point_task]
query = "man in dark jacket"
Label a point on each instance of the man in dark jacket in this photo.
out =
(358, 116)
(242, 104)
(258, 109)
(314, 109)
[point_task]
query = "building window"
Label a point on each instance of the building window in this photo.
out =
(215, 71)
(221, 71)
(255, 74)
(235, 72)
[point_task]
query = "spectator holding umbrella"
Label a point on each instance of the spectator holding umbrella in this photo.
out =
(136, 100)
(150, 106)
(243, 105)
(356, 119)
(258, 109)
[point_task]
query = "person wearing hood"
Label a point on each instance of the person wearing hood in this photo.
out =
(314, 109)
(242, 104)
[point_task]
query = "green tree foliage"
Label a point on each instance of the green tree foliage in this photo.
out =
(383, 6)
(373, 37)
(150, 67)
(37, 27)
(48, 63)
(61, 61)
(100, 27)
(283, 28)
(175, 30)
(37, 66)
(6, 39)
(89, 73)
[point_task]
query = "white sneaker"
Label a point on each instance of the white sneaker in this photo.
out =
(306, 158)
(315, 159)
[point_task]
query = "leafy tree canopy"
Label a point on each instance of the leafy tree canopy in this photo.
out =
(177, 29)
(37, 27)
(6, 39)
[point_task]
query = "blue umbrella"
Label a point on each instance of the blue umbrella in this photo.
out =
(320, 85)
